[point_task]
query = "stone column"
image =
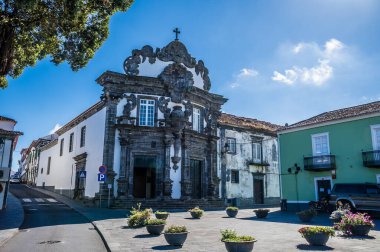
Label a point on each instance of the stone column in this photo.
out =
(168, 141)
(124, 138)
(186, 189)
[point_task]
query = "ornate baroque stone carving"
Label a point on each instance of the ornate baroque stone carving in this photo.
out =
(130, 105)
(179, 80)
(175, 51)
(163, 106)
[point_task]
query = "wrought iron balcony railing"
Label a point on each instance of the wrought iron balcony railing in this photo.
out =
(371, 159)
(258, 162)
(320, 163)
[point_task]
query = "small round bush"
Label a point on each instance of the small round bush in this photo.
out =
(155, 222)
(176, 229)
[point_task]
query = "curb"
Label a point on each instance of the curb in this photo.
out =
(81, 213)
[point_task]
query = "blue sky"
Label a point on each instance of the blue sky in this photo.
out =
(279, 61)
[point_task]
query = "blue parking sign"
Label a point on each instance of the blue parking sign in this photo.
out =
(102, 177)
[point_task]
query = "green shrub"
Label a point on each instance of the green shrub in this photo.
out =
(310, 231)
(155, 222)
(196, 210)
(138, 216)
(176, 229)
(158, 212)
(232, 208)
(229, 235)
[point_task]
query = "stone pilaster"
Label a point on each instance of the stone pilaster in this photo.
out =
(186, 186)
(168, 140)
(124, 138)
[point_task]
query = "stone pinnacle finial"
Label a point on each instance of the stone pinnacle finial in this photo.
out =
(177, 32)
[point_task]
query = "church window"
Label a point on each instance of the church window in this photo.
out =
(147, 112)
(197, 119)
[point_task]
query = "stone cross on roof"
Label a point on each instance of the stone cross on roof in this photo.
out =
(176, 31)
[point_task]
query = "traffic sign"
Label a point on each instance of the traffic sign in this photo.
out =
(109, 186)
(103, 169)
(102, 177)
(82, 174)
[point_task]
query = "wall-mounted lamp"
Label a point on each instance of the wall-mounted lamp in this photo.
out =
(333, 174)
(297, 169)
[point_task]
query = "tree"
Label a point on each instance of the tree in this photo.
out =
(67, 30)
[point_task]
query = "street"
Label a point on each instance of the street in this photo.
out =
(50, 225)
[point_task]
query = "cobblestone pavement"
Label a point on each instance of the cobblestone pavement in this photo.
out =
(276, 233)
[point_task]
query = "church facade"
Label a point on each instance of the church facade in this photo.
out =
(159, 136)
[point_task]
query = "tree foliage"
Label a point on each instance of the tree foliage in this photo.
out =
(67, 30)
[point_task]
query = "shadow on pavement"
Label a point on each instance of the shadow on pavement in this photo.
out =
(145, 236)
(314, 248)
(165, 247)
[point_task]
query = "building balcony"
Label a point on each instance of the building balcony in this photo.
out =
(258, 162)
(319, 163)
(371, 159)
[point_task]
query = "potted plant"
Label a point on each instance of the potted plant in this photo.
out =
(155, 226)
(161, 215)
(316, 236)
(306, 215)
(138, 216)
(235, 243)
(176, 235)
(232, 211)
(261, 213)
(196, 212)
(337, 215)
(355, 224)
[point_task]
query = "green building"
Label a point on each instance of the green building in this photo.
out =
(340, 146)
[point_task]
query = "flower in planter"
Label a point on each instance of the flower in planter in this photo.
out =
(355, 224)
(196, 212)
(161, 215)
(232, 211)
(261, 213)
(317, 236)
(234, 242)
(138, 216)
(176, 235)
(338, 214)
(155, 222)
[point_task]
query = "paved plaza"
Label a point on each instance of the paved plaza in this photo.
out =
(276, 233)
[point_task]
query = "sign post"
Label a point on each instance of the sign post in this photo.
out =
(101, 179)
(109, 194)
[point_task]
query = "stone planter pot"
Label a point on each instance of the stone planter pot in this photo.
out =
(155, 229)
(176, 239)
(196, 215)
(239, 246)
(163, 216)
(261, 214)
(333, 221)
(305, 217)
(361, 230)
(232, 213)
(317, 239)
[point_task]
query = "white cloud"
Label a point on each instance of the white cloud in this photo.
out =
(247, 72)
(289, 78)
(318, 74)
(56, 127)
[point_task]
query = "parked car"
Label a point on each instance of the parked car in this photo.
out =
(15, 180)
(354, 197)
